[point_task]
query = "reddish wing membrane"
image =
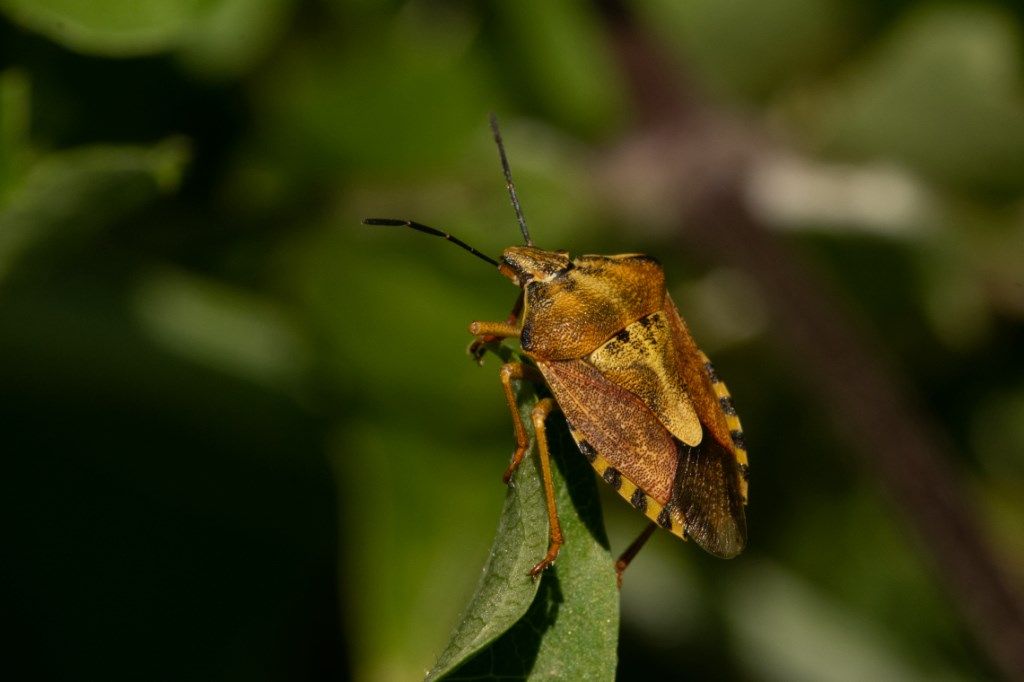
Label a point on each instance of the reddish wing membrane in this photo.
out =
(691, 491)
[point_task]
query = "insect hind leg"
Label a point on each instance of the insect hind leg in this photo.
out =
(634, 548)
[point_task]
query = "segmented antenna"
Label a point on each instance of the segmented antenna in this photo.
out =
(508, 181)
(393, 222)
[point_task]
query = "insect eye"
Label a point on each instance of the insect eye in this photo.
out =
(509, 271)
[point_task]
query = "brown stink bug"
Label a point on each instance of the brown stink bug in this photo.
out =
(643, 403)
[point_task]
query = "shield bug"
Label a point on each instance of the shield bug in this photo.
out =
(643, 403)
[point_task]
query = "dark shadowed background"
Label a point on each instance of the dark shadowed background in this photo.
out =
(241, 437)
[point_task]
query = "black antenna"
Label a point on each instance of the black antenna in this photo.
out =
(508, 181)
(392, 222)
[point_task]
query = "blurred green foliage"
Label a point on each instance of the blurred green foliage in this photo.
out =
(242, 437)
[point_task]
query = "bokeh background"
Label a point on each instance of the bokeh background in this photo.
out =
(240, 435)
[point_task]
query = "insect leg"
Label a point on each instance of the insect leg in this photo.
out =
(516, 371)
(494, 330)
(631, 551)
(540, 413)
(478, 348)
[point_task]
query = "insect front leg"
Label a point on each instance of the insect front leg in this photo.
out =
(478, 348)
(516, 371)
(494, 331)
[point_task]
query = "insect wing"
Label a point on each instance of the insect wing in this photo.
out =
(695, 491)
(619, 435)
(711, 483)
(708, 498)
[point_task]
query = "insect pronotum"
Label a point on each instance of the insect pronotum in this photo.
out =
(643, 403)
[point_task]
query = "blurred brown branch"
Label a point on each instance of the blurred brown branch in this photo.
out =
(700, 157)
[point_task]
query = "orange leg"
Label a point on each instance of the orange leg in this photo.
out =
(494, 331)
(478, 347)
(516, 371)
(540, 413)
(631, 551)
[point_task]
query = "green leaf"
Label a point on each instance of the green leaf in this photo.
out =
(67, 196)
(15, 113)
(745, 48)
(309, 95)
(941, 94)
(561, 47)
(224, 327)
(234, 36)
(108, 27)
(786, 630)
(563, 626)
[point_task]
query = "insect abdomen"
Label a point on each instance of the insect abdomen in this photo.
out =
(644, 503)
